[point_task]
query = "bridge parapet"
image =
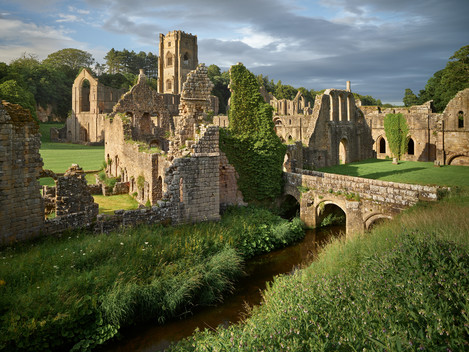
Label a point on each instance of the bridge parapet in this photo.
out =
(362, 200)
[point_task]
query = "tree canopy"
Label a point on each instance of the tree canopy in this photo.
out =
(396, 130)
(445, 83)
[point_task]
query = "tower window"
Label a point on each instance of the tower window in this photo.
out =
(168, 84)
(186, 59)
(460, 119)
(411, 147)
(169, 60)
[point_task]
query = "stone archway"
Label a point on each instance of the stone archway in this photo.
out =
(458, 159)
(84, 97)
(375, 219)
(343, 158)
(329, 213)
(289, 207)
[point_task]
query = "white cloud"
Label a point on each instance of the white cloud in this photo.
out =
(19, 37)
(67, 18)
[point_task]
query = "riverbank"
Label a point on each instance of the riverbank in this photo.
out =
(404, 286)
(77, 291)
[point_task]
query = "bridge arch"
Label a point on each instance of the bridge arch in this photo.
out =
(374, 219)
(329, 212)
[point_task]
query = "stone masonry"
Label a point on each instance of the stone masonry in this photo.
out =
(21, 207)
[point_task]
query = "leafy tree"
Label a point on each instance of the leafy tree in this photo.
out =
(410, 98)
(444, 84)
(251, 144)
(220, 86)
(12, 92)
(70, 59)
(396, 130)
(285, 91)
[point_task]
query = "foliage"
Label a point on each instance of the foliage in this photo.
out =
(402, 287)
(416, 172)
(122, 62)
(220, 86)
(396, 130)
(75, 291)
(109, 182)
(140, 182)
(12, 92)
(367, 100)
(70, 59)
(444, 84)
(118, 80)
(410, 98)
(251, 144)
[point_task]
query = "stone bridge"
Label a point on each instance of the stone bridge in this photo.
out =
(364, 201)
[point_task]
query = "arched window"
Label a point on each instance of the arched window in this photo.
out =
(382, 145)
(168, 84)
(85, 96)
(186, 58)
(169, 59)
(411, 147)
(460, 119)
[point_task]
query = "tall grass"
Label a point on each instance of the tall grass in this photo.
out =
(78, 290)
(402, 287)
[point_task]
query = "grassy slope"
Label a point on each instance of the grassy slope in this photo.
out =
(403, 287)
(58, 157)
(82, 288)
(406, 171)
(108, 204)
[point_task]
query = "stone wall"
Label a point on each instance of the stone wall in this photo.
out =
(21, 206)
(229, 191)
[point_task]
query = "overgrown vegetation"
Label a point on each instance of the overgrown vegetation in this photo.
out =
(402, 287)
(250, 143)
(77, 290)
(396, 129)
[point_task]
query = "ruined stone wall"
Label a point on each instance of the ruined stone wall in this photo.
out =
(453, 135)
(229, 191)
(292, 128)
(21, 206)
(193, 183)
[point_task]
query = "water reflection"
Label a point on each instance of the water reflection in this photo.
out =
(260, 270)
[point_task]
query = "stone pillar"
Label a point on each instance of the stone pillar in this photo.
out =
(354, 218)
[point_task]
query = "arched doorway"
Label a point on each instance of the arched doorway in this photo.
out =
(411, 147)
(382, 145)
(343, 151)
(329, 214)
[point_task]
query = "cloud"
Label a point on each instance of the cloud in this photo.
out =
(20, 37)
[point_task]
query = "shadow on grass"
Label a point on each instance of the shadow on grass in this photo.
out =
(380, 175)
(67, 146)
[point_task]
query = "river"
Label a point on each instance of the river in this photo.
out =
(259, 270)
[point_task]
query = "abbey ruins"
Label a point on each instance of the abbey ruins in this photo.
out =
(163, 147)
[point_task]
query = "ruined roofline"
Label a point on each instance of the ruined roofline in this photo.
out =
(181, 33)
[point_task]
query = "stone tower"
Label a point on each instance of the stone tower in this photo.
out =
(178, 57)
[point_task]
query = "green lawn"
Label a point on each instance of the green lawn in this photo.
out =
(58, 157)
(107, 204)
(406, 172)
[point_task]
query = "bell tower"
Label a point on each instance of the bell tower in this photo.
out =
(178, 56)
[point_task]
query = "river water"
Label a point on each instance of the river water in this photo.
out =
(259, 270)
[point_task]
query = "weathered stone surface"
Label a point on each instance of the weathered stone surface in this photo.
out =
(21, 206)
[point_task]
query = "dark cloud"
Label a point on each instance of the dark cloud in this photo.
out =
(384, 46)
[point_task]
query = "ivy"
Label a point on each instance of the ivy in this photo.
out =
(250, 143)
(396, 130)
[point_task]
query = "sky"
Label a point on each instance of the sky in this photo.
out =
(381, 46)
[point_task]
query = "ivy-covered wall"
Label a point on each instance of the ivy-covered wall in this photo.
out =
(250, 143)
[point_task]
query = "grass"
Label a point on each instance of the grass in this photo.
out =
(407, 172)
(402, 287)
(58, 157)
(108, 204)
(77, 290)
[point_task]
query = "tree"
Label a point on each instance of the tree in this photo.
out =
(12, 92)
(444, 84)
(71, 59)
(396, 130)
(220, 86)
(410, 98)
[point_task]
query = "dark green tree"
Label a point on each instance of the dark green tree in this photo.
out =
(444, 84)
(410, 98)
(220, 86)
(12, 92)
(70, 59)
(251, 144)
(396, 130)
